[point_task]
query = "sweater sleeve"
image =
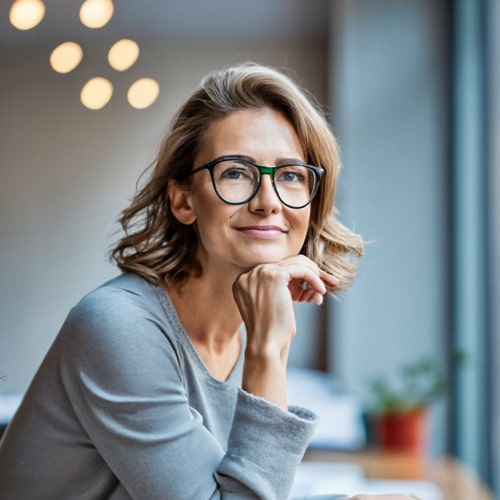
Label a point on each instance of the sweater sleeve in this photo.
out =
(265, 447)
(122, 375)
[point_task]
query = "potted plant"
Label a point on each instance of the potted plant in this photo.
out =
(398, 409)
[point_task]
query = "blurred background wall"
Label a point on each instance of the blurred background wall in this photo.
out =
(68, 171)
(384, 70)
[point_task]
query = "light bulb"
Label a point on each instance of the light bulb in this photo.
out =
(143, 92)
(123, 54)
(66, 57)
(96, 93)
(96, 13)
(26, 14)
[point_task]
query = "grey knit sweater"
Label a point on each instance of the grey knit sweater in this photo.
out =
(123, 407)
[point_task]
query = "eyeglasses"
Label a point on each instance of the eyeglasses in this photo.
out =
(236, 180)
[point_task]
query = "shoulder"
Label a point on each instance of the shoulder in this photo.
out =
(124, 297)
(118, 340)
(116, 327)
(126, 306)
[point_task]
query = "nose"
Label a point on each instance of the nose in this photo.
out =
(266, 199)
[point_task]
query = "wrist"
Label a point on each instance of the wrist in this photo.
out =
(265, 377)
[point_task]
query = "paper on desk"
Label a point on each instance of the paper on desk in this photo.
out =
(318, 478)
(321, 478)
(426, 490)
(340, 423)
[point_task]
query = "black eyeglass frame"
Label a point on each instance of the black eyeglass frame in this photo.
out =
(317, 172)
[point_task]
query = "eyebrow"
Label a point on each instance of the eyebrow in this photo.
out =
(279, 161)
(284, 161)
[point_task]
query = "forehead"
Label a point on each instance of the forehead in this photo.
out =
(259, 133)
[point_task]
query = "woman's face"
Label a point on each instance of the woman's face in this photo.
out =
(262, 230)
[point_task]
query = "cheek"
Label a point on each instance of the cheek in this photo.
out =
(301, 223)
(213, 222)
(303, 219)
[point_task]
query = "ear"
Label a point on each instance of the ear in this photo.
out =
(180, 203)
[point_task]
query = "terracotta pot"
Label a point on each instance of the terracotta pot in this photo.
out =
(403, 431)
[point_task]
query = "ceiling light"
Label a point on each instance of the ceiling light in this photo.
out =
(66, 57)
(96, 93)
(123, 54)
(143, 92)
(26, 14)
(96, 13)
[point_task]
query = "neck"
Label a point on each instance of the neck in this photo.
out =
(208, 312)
(206, 308)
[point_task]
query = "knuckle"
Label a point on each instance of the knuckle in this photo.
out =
(268, 272)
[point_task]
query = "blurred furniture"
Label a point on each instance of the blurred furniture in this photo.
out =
(454, 480)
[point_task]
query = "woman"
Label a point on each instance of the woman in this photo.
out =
(153, 389)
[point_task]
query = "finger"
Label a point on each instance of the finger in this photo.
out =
(328, 279)
(310, 287)
(309, 279)
(310, 295)
(303, 290)
(306, 293)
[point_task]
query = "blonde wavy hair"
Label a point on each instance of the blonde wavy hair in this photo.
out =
(162, 250)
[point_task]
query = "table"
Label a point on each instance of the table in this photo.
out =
(455, 480)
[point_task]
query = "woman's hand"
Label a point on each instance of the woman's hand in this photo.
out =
(265, 296)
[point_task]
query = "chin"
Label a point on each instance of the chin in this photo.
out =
(268, 257)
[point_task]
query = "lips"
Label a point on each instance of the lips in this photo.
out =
(263, 232)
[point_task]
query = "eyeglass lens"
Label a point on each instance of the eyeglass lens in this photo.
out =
(236, 181)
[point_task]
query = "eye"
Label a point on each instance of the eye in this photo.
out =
(292, 174)
(234, 171)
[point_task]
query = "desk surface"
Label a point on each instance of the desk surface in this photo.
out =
(454, 479)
